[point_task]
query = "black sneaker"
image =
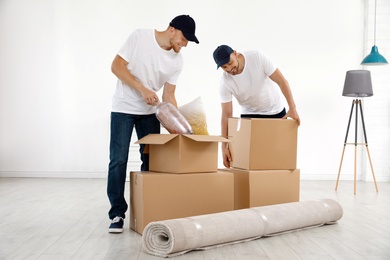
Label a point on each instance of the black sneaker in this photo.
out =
(116, 225)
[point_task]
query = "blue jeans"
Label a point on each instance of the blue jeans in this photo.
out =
(121, 129)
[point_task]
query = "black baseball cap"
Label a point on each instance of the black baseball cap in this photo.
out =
(186, 25)
(222, 55)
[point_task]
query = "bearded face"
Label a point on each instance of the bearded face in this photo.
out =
(178, 41)
(232, 66)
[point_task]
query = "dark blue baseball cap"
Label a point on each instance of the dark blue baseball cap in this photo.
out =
(186, 25)
(222, 55)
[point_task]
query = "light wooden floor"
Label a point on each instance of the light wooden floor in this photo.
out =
(67, 219)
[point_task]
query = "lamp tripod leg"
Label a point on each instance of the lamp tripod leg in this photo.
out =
(357, 102)
(354, 172)
(345, 143)
(341, 163)
(372, 169)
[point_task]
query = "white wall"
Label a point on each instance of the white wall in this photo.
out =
(56, 84)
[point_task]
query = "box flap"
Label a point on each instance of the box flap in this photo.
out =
(156, 139)
(207, 138)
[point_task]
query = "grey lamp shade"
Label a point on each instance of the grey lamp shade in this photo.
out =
(358, 84)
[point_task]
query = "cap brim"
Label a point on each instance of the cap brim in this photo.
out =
(223, 61)
(190, 37)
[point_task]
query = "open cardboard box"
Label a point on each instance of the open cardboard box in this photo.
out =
(176, 153)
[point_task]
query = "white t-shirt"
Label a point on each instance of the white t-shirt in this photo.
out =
(149, 64)
(254, 90)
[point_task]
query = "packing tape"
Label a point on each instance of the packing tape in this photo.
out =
(196, 224)
(325, 204)
(265, 220)
(238, 124)
(328, 208)
(198, 227)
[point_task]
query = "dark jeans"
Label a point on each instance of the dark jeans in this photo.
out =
(279, 115)
(121, 129)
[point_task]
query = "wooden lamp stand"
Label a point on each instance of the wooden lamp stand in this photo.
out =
(356, 103)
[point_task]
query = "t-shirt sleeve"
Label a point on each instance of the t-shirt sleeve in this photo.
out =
(128, 47)
(268, 66)
(224, 93)
(175, 76)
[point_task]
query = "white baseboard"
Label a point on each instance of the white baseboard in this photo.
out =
(344, 177)
(47, 174)
(102, 175)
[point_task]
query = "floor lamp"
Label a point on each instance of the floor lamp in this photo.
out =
(357, 84)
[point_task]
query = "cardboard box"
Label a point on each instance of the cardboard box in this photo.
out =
(161, 196)
(263, 144)
(266, 187)
(174, 153)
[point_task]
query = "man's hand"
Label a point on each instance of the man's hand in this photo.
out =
(294, 115)
(150, 97)
(227, 158)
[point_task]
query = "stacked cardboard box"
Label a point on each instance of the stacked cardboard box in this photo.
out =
(264, 157)
(183, 181)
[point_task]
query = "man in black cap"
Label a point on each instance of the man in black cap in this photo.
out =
(256, 83)
(148, 61)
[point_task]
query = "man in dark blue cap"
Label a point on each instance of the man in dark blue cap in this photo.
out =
(256, 83)
(148, 61)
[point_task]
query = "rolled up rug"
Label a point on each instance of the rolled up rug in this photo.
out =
(175, 237)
